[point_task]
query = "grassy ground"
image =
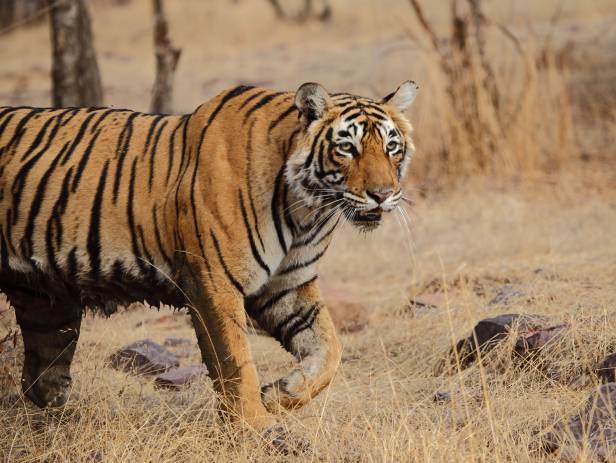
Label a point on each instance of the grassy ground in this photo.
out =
(558, 248)
(550, 236)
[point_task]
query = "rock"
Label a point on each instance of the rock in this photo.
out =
(347, 314)
(593, 428)
(532, 341)
(534, 332)
(176, 342)
(144, 357)
(506, 294)
(179, 377)
(441, 397)
(606, 370)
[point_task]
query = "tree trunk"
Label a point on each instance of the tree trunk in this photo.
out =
(166, 62)
(75, 74)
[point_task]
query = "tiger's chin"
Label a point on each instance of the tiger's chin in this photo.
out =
(367, 220)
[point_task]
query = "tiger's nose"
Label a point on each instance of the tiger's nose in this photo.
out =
(380, 195)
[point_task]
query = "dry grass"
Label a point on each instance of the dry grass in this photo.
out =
(380, 407)
(550, 232)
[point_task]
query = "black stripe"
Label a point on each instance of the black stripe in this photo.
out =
(237, 91)
(276, 211)
(153, 154)
(38, 139)
(251, 239)
(249, 182)
(281, 117)
(102, 118)
(278, 296)
(94, 233)
(55, 220)
(121, 151)
(170, 156)
(159, 242)
(313, 147)
(73, 265)
(250, 98)
(82, 130)
(304, 323)
(83, 161)
(262, 102)
(231, 278)
(20, 130)
(148, 137)
(305, 264)
(35, 207)
(130, 214)
(313, 234)
(5, 122)
(4, 253)
(193, 203)
(75, 111)
(286, 212)
(22, 175)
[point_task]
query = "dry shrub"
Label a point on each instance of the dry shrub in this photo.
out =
(494, 104)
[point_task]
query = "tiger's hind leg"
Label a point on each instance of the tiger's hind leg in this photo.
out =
(50, 331)
(302, 324)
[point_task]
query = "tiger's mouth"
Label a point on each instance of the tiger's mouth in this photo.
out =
(367, 219)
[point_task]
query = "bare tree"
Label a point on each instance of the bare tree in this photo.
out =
(75, 74)
(167, 58)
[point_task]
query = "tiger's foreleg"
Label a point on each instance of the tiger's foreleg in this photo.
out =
(301, 323)
(50, 332)
(219, 319)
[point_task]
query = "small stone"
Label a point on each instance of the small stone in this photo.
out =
(144, 357)
(607, 369)
(179, 377)
(593, 428)
(441, 397)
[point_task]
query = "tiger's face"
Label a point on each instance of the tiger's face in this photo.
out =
(353, 153)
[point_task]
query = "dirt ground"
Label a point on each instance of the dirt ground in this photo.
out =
(555, 243)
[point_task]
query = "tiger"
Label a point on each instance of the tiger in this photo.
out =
(225, 211)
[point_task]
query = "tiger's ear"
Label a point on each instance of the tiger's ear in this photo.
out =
(403, 96)
(312, 100)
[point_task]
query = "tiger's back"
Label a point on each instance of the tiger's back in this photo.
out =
(74, 186)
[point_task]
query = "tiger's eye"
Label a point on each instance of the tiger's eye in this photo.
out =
(345, 146)
(392, 146)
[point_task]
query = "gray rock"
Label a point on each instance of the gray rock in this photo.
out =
(144, 357)
(490, 331)
(179, 377)
(532, 341)
(594, 427)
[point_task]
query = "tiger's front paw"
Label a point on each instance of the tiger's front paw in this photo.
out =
(287, 393)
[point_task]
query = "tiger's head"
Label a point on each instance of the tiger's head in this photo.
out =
(352, 152)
